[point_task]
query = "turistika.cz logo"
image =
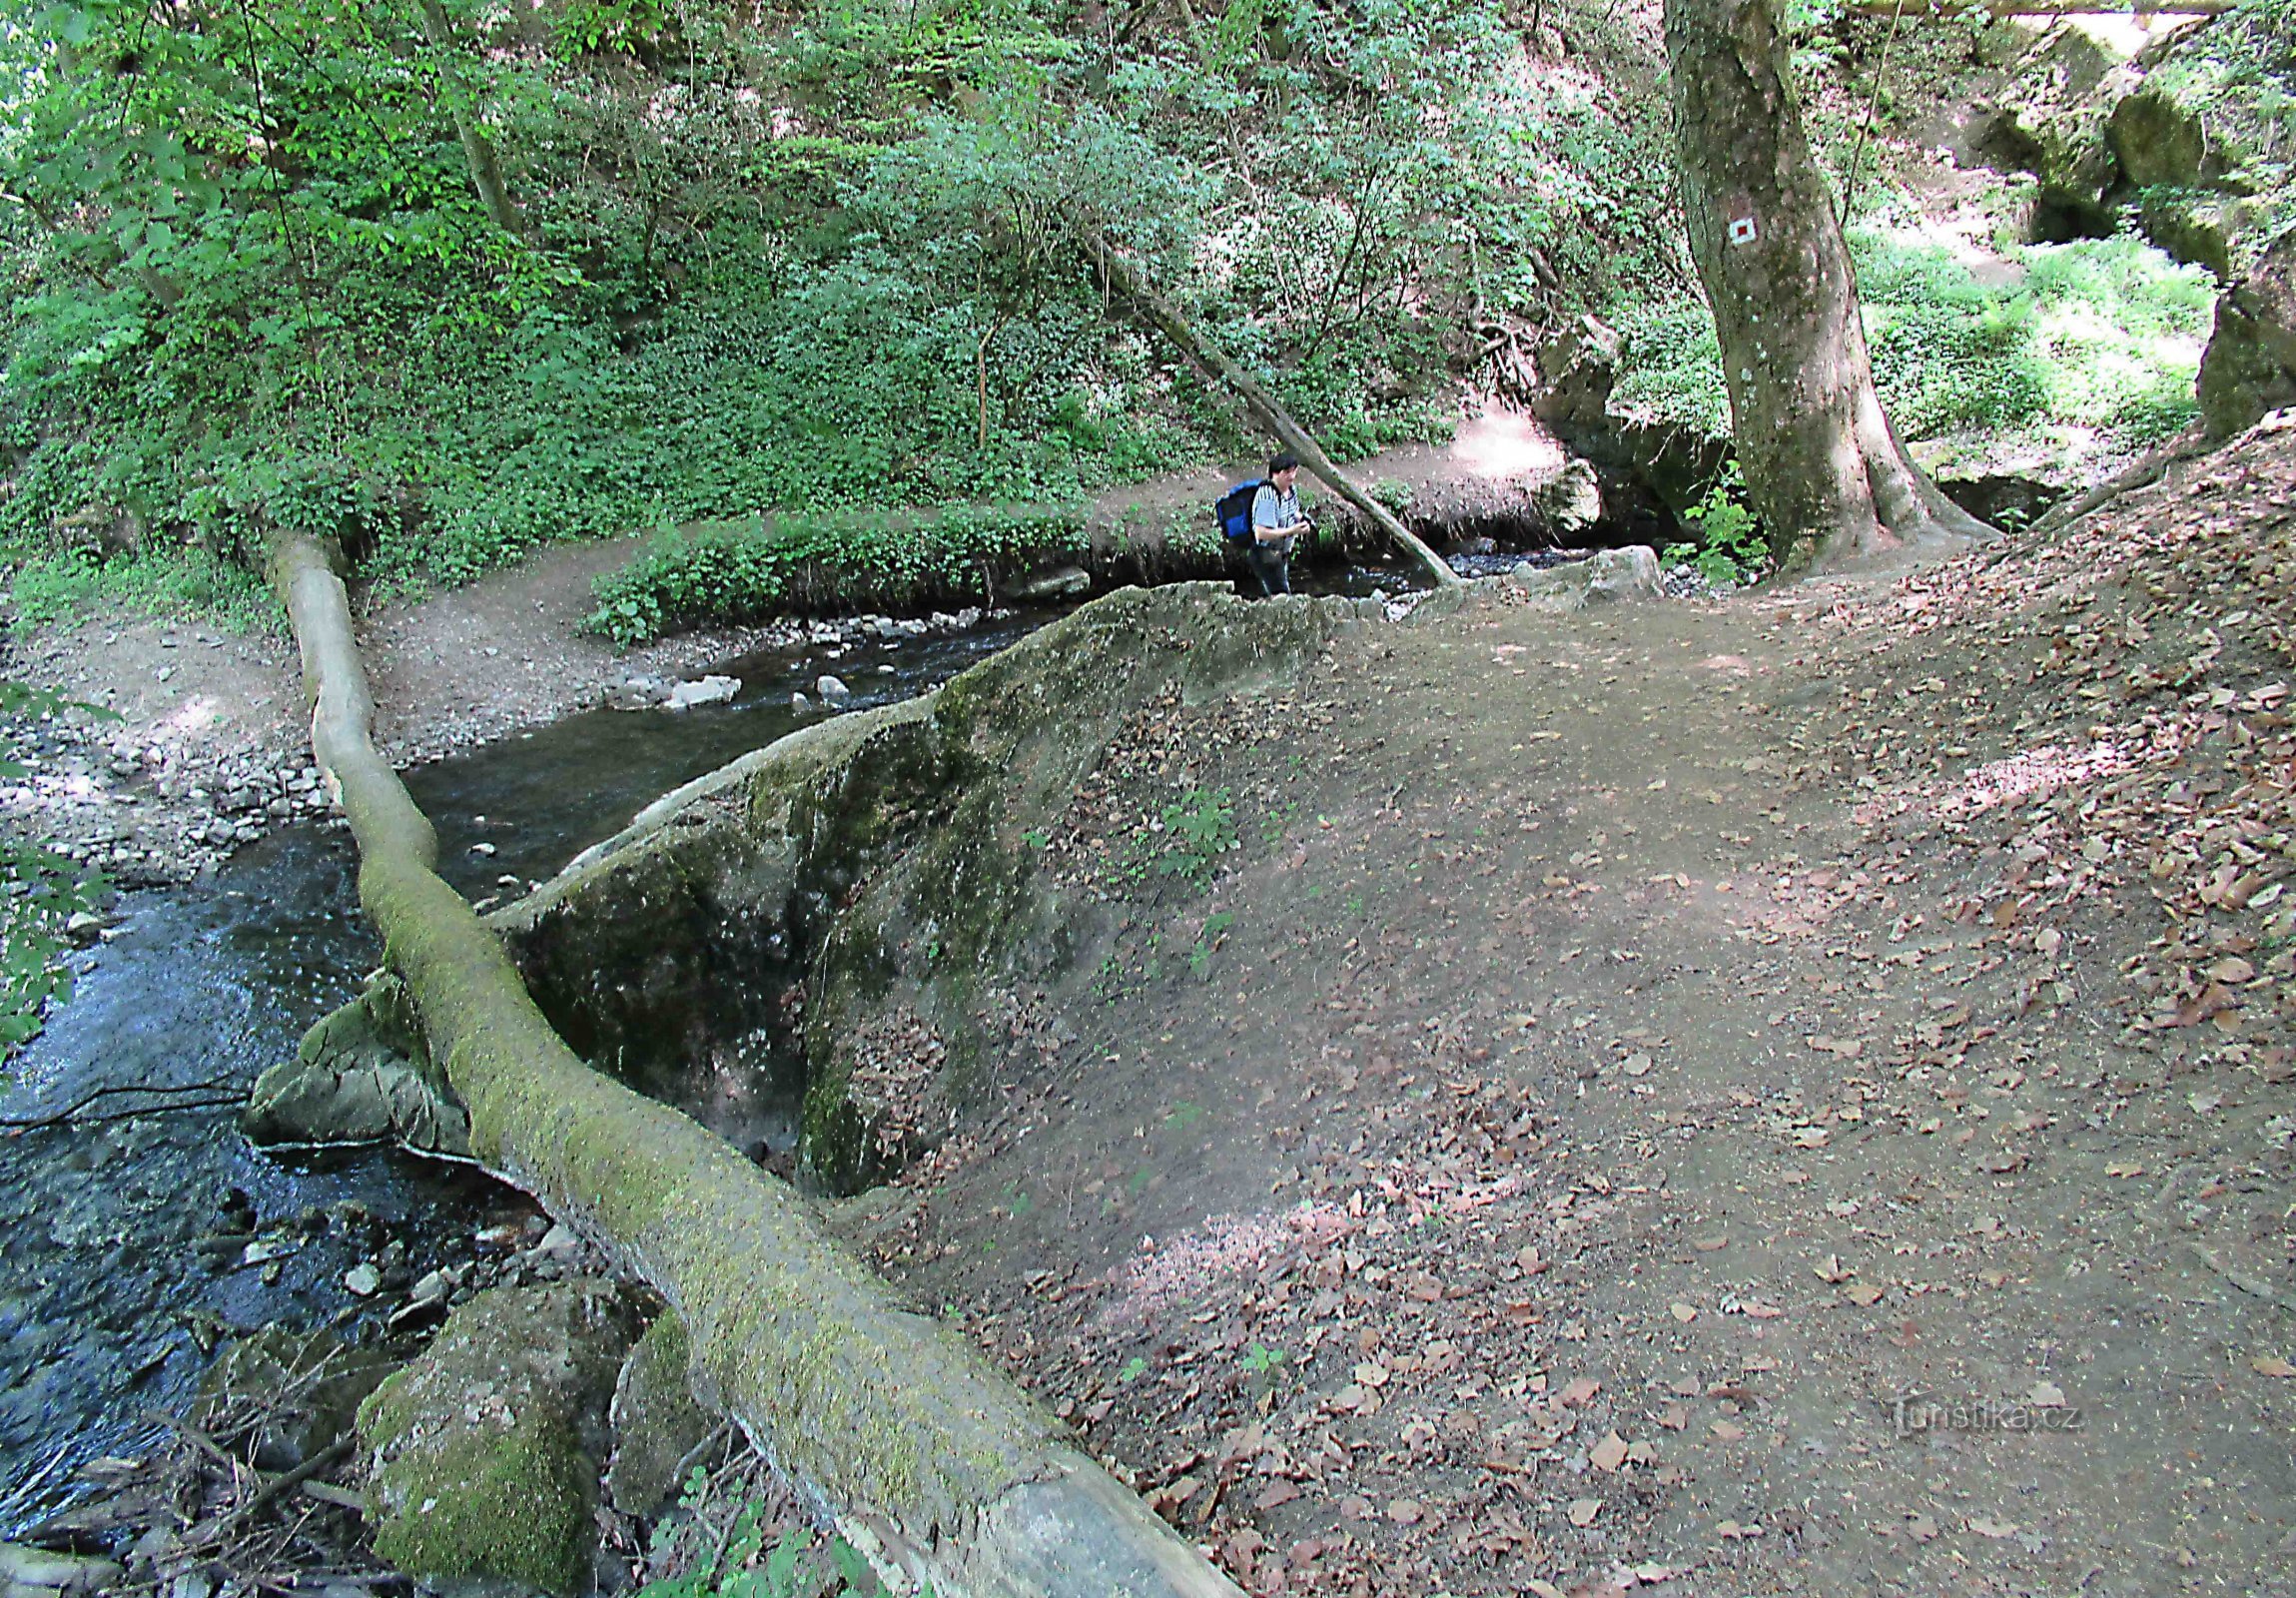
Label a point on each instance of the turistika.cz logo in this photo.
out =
(1915, 1414)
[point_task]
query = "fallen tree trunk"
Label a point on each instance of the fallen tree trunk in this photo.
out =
(1262, 405)
(930, 1462)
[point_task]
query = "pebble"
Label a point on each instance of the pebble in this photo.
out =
(363, 1280)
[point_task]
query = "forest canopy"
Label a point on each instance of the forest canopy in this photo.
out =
(455, 280)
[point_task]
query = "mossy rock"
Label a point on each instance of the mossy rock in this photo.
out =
(874, 865)
(361, 1075)
(2194, 226)
(484, 1454)
(2250, 365)
(2159, 144)
(655, 1419)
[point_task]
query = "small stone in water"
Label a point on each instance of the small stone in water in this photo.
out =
(363, 1280)
(832, 690)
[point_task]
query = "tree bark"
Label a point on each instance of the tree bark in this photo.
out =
(1272, 416)
(462, 104)
(1823, 468)
(930, 1462)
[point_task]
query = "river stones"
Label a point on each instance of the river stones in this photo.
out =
(484, 1454)
(711, 690)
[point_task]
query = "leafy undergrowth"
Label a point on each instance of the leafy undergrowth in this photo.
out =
(1748, 1095)
(724, 573)
(2066, 357)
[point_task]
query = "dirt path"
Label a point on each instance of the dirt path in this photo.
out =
(1780, 1097)
(211, 747)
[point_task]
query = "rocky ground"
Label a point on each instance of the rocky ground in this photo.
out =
(1787, 1094)
(182, 743)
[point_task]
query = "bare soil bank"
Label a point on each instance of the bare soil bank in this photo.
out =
(1778, 1096)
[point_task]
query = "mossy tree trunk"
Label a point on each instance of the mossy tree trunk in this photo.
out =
(931, 1462)
(1823, 468)
(1192, 342)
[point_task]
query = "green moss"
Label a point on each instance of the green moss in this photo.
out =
(518, 1508)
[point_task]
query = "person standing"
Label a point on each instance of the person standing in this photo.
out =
(1276, 522)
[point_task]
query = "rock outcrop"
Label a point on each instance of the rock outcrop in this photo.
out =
(851, 907)
(484, 1454)
(2250, 365)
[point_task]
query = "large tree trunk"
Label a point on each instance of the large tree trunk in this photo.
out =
(1129, 282)
(931, 1462)
(1823, 469)
(462, 106)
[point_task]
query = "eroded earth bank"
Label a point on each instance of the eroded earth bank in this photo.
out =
(1784, 1094)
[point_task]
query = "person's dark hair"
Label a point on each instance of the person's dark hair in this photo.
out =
(1282, 463)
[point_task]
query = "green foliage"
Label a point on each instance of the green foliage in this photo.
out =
(1259, 1360)
(1198, 828)
(40, 891)
(738, 571)
(1730, 546)
(61, 586)
(2238, 75)
(1208, 942)
(2096, 342)
(730, 1557)
(837, 260)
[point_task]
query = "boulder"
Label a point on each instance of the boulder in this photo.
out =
(1571, 502)
(2193, 226)
(482, 1455)
(657, 1423)
(2250, 366)
(1610, 577)
(703, 691)
(2159, 144)
(1647, 473)
(847, 906)
(832, 690)
(1059, 582)
(360, 1076)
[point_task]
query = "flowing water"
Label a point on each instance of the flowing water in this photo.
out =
(130, 1250)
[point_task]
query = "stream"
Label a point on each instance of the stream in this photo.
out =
(134, 1251)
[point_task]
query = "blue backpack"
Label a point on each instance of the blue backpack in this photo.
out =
(1235, 509)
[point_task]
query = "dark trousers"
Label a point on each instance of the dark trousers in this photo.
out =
(1270, 565)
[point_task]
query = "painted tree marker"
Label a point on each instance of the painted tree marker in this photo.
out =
(1742, 230)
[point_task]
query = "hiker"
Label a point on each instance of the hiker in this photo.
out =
(1275, 522)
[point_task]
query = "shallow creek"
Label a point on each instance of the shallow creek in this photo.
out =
(130, 1252)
